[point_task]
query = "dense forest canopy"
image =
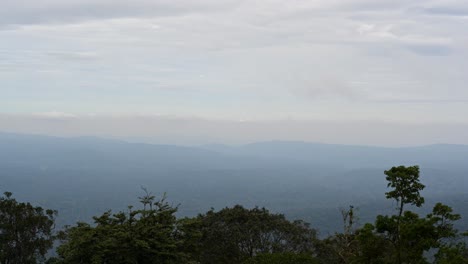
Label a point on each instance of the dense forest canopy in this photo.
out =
(152, 233)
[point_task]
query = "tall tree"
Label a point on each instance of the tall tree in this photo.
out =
(406, 187)
(406, 191)
(411, 235)
(403, 237)
(26, 231)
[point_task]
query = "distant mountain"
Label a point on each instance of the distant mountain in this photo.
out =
(82, 177)
(352, 156)
(88, 151)
(46, 151)
(92, 152)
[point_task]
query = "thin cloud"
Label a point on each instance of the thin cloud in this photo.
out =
(74, 56)
(195, 131)
(449, 8)
(54, 115)
(260, 59)
(73, 11)
(327, 87)
(420, 44)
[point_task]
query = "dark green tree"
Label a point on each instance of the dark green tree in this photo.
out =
(450, 250)
(149, 235)
(372, 247)
(233, 235)
(406, 188)
(354, 245)
(411, 237)
(403, 237)
(452, 254)
(341, 247)
(26, 231)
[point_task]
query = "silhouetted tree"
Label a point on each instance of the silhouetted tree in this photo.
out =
(142, 236)
(233, 235)
(26, 231)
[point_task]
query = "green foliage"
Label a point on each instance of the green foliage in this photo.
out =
(410, 235)
(25, 231)
(401, 228)
(358, 246)
(404, 237)
(406, 186)
(373, 248)
(149, 235)
(282, 258)
(443, 218)
(341, 247)
(452, 254)
(189, 235)
(236, 234)
(153, 235)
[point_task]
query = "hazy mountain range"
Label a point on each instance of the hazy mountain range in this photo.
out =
(85, 176)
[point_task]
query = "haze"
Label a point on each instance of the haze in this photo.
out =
(196, 72)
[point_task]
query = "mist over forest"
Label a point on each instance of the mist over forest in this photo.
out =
(233, 132)
(86, 176)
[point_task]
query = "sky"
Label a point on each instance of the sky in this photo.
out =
(387, 72)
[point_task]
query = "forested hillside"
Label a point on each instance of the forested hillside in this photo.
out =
(82, 177)
(152, 233)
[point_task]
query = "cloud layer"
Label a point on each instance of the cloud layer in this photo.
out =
(387, 60)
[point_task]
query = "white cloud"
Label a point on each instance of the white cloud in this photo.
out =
(387, 33)
(54, 115)
(70, 55)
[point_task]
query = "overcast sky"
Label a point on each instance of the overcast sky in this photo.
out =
(386, 72)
